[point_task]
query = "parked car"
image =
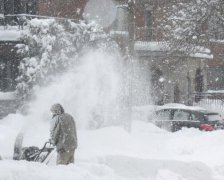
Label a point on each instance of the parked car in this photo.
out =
(175, 116)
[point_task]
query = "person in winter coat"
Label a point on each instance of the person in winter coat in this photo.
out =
(63, 134)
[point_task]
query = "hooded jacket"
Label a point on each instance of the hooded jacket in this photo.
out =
(63, 131)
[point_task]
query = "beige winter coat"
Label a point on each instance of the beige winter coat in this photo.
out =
(63, 132)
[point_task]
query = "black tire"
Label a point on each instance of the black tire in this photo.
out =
(175, 127)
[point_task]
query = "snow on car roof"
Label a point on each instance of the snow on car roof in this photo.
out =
(184, 107)
(181, 106)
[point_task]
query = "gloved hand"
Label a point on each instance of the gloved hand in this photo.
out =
(51, 141)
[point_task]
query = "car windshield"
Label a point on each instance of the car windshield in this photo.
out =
(213, 117)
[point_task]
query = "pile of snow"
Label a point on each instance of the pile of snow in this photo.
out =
(124, 33)
(7, 95)
(181, 106)
(215, 91)
(151, 46)
(112, 153)
(163, 46)
(10, 34)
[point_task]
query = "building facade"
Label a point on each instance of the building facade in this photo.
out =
(174, 76)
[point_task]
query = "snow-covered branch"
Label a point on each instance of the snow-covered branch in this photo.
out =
(195, 22)
(50, 46)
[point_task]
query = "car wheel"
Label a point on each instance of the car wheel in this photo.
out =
(175, 127)
(170, 127)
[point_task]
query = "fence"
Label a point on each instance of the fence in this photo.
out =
(213, 101)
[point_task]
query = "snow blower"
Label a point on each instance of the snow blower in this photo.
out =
(32, 153)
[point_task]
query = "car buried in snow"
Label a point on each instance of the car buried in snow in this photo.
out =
(174, 117)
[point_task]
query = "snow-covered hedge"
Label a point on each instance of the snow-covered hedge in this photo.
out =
(50, 46)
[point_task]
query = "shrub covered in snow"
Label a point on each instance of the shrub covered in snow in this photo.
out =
(50, 46)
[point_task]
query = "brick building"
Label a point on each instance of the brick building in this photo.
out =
(55, 8)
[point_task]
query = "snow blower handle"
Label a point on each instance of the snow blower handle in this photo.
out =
(51, 142)
(46, 150)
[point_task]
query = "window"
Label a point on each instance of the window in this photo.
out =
(181, 115)
(2, 75)
(148, 19)
(164, 115)
(122, 18)
(18, 6)
(215, 28)
(148, 24)
(199, 84)
(8, 7)
(196, 117)
(157, 82)
(6, 81)
(213, 117)
(215, 78)
(8, 71)
(176, 94)
(11, 7)
(31, 7)
(1, 7)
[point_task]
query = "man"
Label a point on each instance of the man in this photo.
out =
(63, 134)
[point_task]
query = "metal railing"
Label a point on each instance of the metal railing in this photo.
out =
(124, 29)
(209, 100)
(209, 95)
(140, 33)
(20, 20)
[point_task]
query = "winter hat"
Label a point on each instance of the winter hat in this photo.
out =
(57, 109)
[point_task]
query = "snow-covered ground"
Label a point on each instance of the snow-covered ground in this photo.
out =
(10, 33)
(112, 153)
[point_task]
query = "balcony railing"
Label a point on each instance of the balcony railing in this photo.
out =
(19, 20)
(140, 33)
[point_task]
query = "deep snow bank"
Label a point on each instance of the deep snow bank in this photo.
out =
(112, 153)
(113, 167)
(130, 167)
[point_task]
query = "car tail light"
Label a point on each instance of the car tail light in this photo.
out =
(207, 127)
